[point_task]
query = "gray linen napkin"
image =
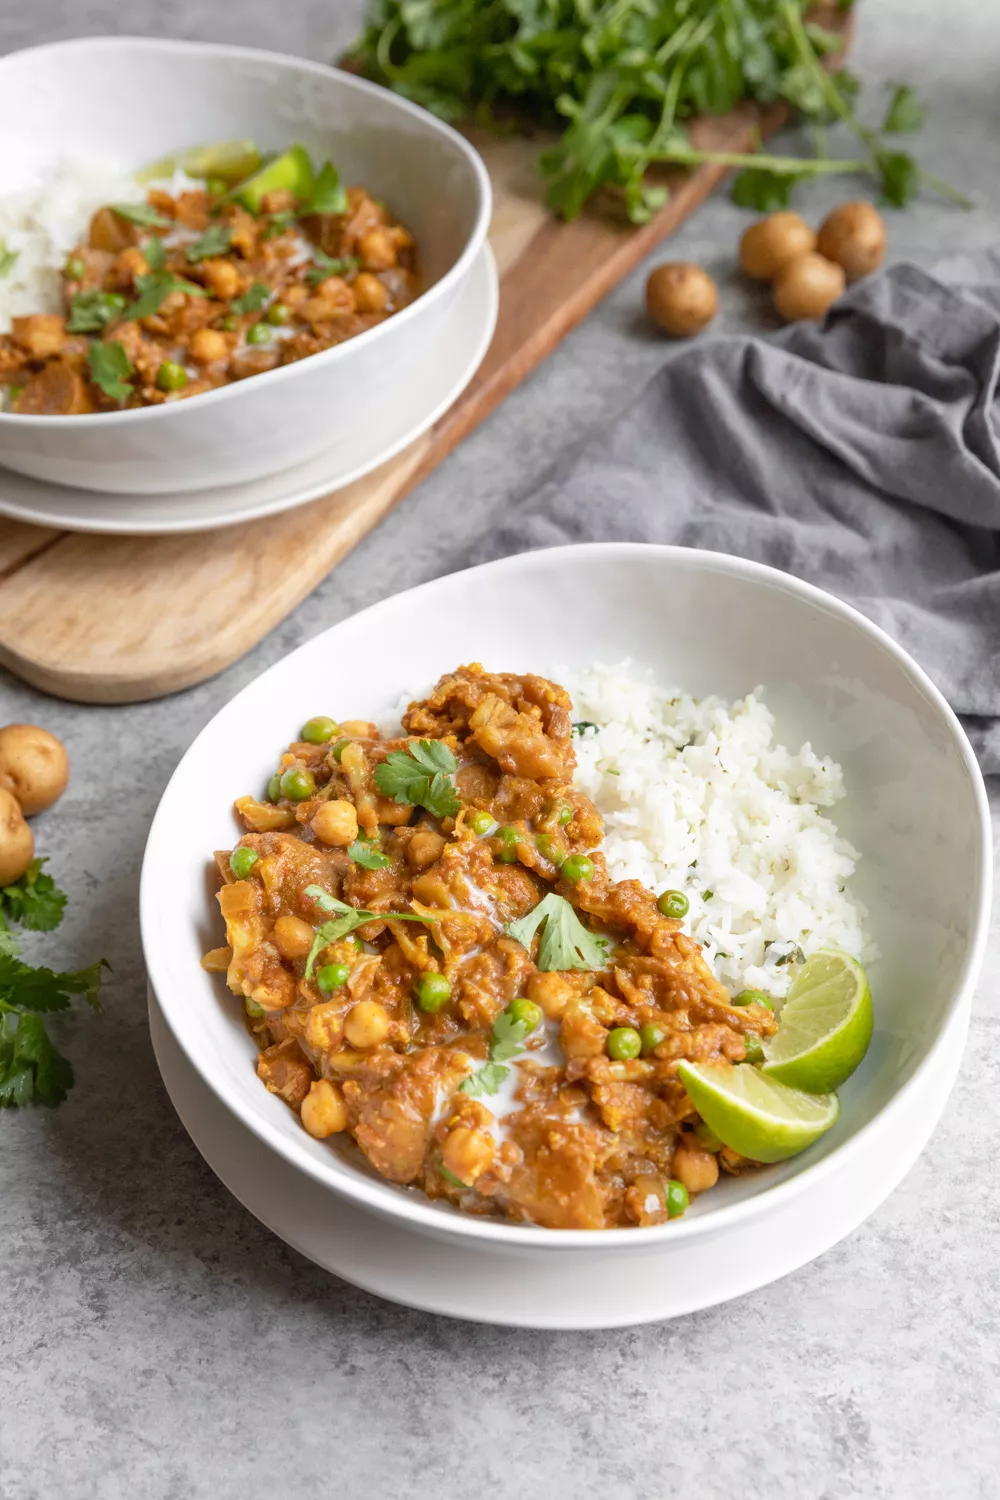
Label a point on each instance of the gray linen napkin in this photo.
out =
(862, 455)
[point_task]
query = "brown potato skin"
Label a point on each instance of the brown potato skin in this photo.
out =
(681, 298)
(772, 242)
(853, 235)
(34, 766)
(17, 842)
(807, 287)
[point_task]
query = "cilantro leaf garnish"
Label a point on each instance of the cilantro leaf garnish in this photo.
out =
(8, 259)
(350, 917)
(155, 288)
(421, 775)
(155, 254)
(905, 112)
(329, 196)
(326, 265)
(450, 1177)
(109, 365)
(506, 1042)
(564, 943)
(583, 727)
(362, 853)
(253, 300)
(142, 213)
(89, 312)
(215, 241)
(32, 1070)
(35, 901)
(277, 224)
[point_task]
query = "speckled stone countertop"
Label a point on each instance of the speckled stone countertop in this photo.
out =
(157, 1342)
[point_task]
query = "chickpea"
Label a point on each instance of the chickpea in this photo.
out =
(17, 842)
(681, 298)
(853, 235)
(697, 1170)
(34, 766)
(424, 848)
(222, 277)
(770, 243)
(367, 1024)
(377, 249)
(807, 287)
(335, 823)
(323, 1110)
(370, 295)
(293, 937)
(208, 346)
(468, 1152)
(551, 992)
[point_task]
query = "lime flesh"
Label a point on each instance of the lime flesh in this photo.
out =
(825, 1026)
(291, 170)
(753, 1114)
(229, 161)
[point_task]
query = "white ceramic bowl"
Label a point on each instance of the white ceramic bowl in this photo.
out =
(916, 809)
(91, 99)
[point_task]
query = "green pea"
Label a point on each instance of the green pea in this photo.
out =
(755, 1052)
(753, 997)
(564, 814)
(708, 1138)
(337, 750)
(677, 1198)
(171, 376)
(259, 333)
(650, 1036)
(332, 977)
(480, 822)
(253, 1009)
(673, 904)
(274, 788)
(242, 861)
(432, 991)
(526, 1012)
(552, 848)
(317, 731)
(278, 313)
(509, 839)
(297, 784)
(578, 867)
(229, 323)
(75, 269)
(624, 1043)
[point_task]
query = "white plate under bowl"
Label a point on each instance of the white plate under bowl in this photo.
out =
(915, 808)
(407, 408)
(545, 1291)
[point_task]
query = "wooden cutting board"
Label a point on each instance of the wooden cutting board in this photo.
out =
(119, 619)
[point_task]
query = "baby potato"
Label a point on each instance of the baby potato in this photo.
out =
(34, 766)
(807, 287)
(681, 298)
(17, 842)
(772, 242)
(853, 236)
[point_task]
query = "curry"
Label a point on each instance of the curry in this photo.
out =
(193, 290)
(434, 964)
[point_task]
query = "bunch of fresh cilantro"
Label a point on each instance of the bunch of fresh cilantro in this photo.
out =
(32, 1070)
(619, 79)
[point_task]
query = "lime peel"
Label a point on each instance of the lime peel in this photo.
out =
(825, 1027)
(754, 1115)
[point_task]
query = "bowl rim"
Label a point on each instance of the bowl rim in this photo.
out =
(413, 1208)
(340, 78)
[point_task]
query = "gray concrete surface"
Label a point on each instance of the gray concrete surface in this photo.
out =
(156, 1341)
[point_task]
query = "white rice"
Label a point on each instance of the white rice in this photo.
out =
(696, 796)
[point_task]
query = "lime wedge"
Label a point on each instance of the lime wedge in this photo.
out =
(229, 161)
(292, 170)
(825, 1027)
(754, 1115)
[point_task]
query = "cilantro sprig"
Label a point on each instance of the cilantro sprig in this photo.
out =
(35, 902)
(421, 776)
(506, 1042)
(215, 241)
(348, 919)
(110, 368)
(327, 265)
(153, 290)
(32, 1069)
(564, 942)
(364, 853)
(89, 312)
(8, 259)
(253, 300)
(329, 196)
(144, 214)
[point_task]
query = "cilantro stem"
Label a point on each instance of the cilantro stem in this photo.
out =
(779, 165)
